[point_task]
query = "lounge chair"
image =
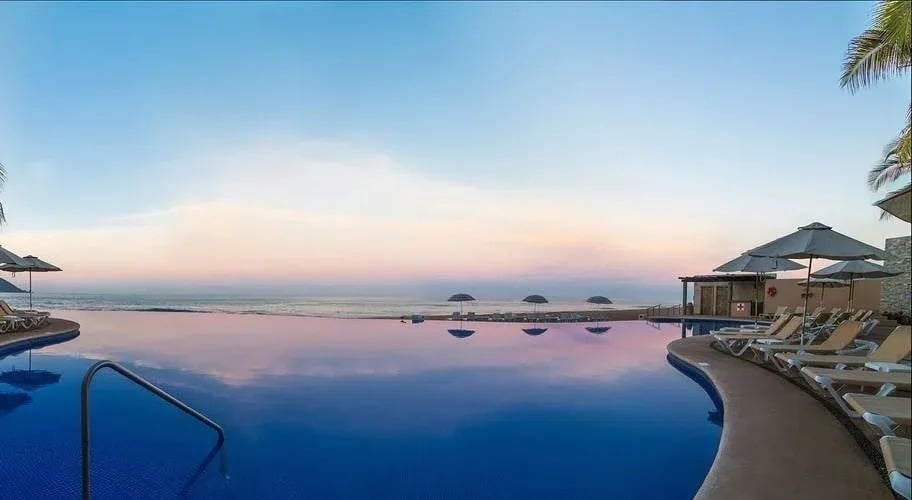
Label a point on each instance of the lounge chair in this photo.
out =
(897, 453)
(893, 349)
(757, 329)
(799, 310)
(886, 413)
(780, 311)
(33, 318)
(831, 381)
(738, 343)
(470, 316)
(455, 316)
(840, 339)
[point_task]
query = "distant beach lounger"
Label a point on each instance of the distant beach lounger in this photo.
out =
(897, 453)
(33, 318)
(893, 349)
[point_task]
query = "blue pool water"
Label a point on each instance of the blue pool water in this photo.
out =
(345, 409)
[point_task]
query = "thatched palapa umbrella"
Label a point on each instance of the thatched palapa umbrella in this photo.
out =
(31, 264)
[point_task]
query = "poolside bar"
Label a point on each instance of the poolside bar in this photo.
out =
(734, 295)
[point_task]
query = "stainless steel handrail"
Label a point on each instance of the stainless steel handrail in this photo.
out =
(145, 384)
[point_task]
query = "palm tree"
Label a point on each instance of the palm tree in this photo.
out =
(884, 50)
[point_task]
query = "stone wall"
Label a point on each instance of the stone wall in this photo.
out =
(896, 296)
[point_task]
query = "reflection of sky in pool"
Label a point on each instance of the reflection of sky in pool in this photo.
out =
(326, 408)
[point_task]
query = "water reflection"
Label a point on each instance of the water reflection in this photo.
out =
(11, 401)
(598, 330)
(534, 331)
(461, 333)
(713, 416)
(29, 380)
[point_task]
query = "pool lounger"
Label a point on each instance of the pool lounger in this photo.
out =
(896, 452)
(738, 343)
(829, 380)
(758, 329)
(886, 413)
(839, 340)
(893, 349)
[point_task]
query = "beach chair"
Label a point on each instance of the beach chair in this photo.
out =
(455, 316)
(769, 329)
(887, 414)
(893, 349)
(867, 315)
(799, 310)
(33, 318)
(897, 453)
(830, 381)
(840, 339)
(738, 343)
(781, 310)
(470, 316)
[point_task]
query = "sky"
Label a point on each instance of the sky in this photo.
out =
(385, 145)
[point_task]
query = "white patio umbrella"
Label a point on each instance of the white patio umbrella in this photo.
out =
(852, 270)
(823, 284)
(817, 240)
(745, 263)
(31, 264)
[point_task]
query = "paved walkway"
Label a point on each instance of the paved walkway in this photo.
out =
(777, 441)
(55, 327)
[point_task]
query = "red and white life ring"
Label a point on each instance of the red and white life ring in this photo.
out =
(771, 291)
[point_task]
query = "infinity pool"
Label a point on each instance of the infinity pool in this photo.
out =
(350, 409)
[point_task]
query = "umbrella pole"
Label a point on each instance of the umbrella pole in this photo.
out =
(822, 289)
(30, 299)
(807, 292)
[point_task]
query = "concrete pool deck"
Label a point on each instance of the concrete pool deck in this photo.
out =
(54, 329)
(777, 440)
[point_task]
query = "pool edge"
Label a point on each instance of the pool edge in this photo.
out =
(750, 462)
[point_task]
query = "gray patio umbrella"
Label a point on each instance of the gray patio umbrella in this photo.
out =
(31, 264)
(817, 240)
(852, 270)
(745, 263)
(7, 257)
(535, 299)
(599, 300)
(460, 297)
(823, 284)
(898, 203)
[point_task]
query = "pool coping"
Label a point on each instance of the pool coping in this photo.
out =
(56, 330)
(777, 440)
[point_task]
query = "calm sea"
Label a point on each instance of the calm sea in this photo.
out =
(332, 307)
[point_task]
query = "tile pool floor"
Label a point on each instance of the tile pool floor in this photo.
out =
(325, 408)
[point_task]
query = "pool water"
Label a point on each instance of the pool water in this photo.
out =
(346, 409)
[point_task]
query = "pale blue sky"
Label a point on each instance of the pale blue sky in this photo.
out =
(115, 118)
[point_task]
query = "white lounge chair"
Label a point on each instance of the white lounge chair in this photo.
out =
(893, 349)
(897, 453)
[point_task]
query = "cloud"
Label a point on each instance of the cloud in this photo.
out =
(330, 212)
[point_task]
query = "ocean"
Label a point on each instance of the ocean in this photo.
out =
(330, 307)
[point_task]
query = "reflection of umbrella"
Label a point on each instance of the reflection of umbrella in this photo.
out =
(534, 331)
(461, 333)
(745, 263)
(852, 270)
(598, 329)
(823, 284)
(11, 401)
(817, 240)
(460, 297)
(29, 379)
(31, 264)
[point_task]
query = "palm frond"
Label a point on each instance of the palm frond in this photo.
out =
(2, 175)
(871, 58)
(894, 18)
(894, 164)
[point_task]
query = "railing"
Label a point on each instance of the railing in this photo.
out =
(145, 384)
(660, 310)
